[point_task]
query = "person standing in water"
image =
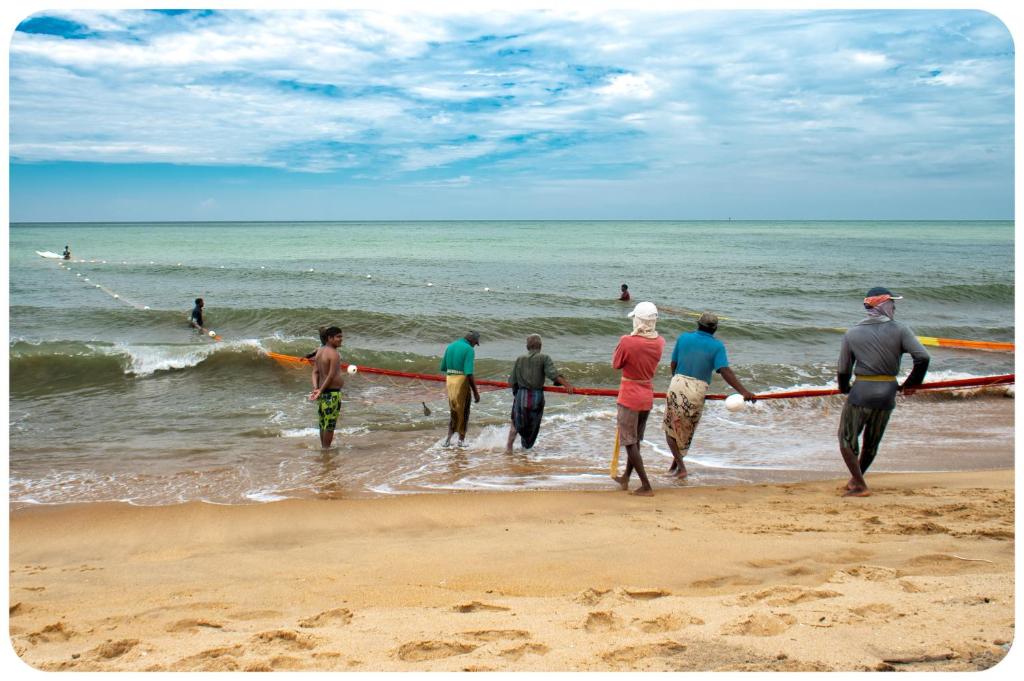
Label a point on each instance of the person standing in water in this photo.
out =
(637, 355)
(327, 393)
(527, 381)
(457, 366)
(696, 356)
(196, 318)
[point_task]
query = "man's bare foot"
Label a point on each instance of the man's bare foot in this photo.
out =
(858, 492)
(623, 481)
(508, 450)
(681, 475)
(643, 492)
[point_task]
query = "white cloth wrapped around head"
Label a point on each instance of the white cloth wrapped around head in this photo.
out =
(645, 317)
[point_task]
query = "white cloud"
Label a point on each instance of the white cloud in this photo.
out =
(545, 93)
(629, 86)
(873, 59)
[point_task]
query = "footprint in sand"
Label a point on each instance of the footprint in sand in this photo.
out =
(666, 622)
(222, 659)
(725, 580)
(643, 594)
(292, 640)
(759, 624)
(285, 663)
(246, 615)
(421, 651)
(496, 634)
(58, 631)
(632, 654)
(845, 556)
(945, 564)
(1000, 535)
(114, 649)
(591, 596)
(921, 528)
(525, 649)
(871, 573)
(768, 562)
(335, 616)
(798, 571)
(601, 621)
(910, 587)
(782, 595)
(477, 606)
(193, 625)
(881, 612)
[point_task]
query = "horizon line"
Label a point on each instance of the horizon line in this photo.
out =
(351, 220)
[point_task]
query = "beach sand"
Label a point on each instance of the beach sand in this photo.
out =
(756, 577)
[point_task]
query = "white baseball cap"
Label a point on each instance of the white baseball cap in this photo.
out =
(644, 310)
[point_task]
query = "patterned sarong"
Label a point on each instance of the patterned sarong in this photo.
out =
(684, 404)
(527, 412)
(458, 402)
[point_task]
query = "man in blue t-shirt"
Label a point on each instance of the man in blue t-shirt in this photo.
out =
(696, 356)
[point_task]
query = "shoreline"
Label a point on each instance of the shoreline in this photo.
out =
(784, 576)
(723, 477)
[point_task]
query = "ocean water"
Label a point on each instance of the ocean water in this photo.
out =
(113, 397)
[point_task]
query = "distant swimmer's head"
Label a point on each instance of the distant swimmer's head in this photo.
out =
(624, 288)
(473, 337)
(708, 322)
(332, 336)
(199, 302)
(533, 342)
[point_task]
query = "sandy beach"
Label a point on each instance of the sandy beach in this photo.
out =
(757, 577)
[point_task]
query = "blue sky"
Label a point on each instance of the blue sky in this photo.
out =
(267, 115)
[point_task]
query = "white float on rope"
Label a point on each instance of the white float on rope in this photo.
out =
(734, 402)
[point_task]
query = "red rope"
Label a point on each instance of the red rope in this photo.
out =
(981, 381)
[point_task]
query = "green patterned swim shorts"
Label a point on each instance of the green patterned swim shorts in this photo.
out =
(329, 408)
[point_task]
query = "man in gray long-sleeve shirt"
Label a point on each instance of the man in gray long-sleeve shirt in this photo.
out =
(871, 352)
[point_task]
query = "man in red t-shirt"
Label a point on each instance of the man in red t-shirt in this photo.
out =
(637, 355)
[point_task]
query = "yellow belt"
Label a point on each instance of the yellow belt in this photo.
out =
(880, 377)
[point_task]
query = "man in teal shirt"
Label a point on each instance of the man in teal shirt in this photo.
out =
(457, 366)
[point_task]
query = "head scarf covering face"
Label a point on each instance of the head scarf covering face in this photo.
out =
(644, 327)
(886, 307)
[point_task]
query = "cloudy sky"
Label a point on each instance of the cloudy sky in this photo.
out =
(268, 115)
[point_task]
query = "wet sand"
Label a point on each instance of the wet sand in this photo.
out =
(756, 577)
